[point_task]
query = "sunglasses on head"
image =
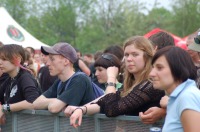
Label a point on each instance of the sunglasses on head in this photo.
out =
(107, 57)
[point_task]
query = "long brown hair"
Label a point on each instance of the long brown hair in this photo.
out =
(143, 44)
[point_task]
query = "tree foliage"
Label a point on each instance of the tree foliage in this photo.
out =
(92, 25)
(187, 16)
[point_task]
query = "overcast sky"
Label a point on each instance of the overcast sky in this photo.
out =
(162, 3)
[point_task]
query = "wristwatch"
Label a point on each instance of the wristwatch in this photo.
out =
(110, 84)
(6, 108)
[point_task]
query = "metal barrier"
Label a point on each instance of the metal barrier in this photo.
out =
(44, 121)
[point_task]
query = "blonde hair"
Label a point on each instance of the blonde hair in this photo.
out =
(143, 44)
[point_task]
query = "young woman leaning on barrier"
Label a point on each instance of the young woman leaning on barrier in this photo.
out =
(20, 88)
(137, 94)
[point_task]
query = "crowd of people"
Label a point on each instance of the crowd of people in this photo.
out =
(147, 77)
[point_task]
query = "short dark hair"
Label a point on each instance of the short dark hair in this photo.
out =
(115, 50)
(106, 60)
(162, 39)
(180, 63)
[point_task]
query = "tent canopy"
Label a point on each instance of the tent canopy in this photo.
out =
(12, 33)
(177, 40)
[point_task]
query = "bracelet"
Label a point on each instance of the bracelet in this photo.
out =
(77, 109)
(85, 110)
(6, 108)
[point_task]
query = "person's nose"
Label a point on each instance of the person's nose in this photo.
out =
(129, 58)
(152, 73)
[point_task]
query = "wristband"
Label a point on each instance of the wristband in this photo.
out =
(77, 109)
(110, 84)
(85, 110)
(6, 108)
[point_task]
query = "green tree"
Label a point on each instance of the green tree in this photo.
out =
(186, 16)
(17, 9)
(158, 18)
(111, 22)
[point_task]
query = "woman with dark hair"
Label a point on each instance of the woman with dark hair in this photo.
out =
(20, 89)
(107, 65)
(119, 53)
(137, 94)
(174, 71)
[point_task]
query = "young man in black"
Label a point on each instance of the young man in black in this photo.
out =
(78, 91)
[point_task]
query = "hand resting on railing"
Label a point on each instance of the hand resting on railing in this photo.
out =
(152, 115)
(75, 113)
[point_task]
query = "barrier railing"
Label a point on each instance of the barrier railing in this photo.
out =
(44, 121)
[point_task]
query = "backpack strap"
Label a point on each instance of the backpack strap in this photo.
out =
(68, 82)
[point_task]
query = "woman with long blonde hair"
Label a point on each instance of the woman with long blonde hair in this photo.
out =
(137, 94)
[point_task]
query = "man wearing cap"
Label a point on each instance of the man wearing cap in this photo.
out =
(195, 48)
(193, 43)
(79, 89)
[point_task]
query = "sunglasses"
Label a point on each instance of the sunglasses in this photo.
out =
(107, 57)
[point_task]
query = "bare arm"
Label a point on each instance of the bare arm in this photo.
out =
(91, 108)
(54, 105)
(190, 120)
(22, 105)
(84, 67)
(112, 73)
(76, 113)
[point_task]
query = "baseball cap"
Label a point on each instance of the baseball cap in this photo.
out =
(195, 46)
(62, 48)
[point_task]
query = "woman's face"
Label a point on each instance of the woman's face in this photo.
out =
(134, 59)
(101, 74)
(161, 75)
(6, 66)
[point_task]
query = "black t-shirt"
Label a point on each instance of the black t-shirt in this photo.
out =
(22, 87)
(45, 79)
(3, 77)
(78, 92)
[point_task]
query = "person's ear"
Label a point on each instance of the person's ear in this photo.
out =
(66, 61)
(155, 49)
(17, 61)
